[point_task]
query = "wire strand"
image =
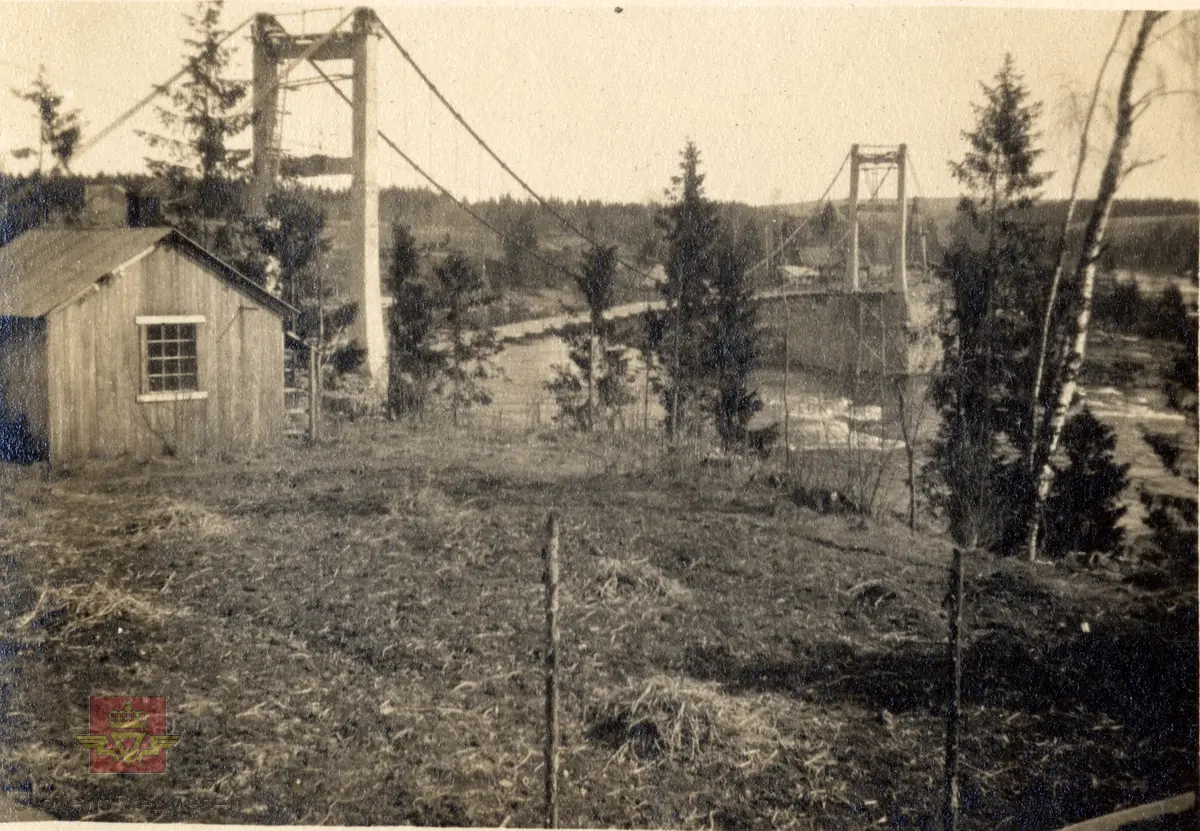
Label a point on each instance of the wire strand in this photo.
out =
(27, 188)
(566, 223)
(458, 202)
(159, 89)
(257, 98)
(779, 248)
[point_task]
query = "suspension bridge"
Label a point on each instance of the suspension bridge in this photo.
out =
(874, 301)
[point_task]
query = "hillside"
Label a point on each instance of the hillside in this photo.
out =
(351, 635)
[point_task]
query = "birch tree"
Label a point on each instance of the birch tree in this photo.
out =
(1056, 372)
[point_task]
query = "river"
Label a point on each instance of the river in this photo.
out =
(821, 413)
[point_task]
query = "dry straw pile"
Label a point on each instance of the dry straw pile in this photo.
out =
(634, 580)
(671, 720)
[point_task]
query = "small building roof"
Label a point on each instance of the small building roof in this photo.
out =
(44, 268)
(816, 256)
(797, 271)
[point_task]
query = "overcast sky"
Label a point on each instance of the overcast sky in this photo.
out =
(584, 101)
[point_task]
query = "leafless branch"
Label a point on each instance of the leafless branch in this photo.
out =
(1182, 21)
(1139, 163)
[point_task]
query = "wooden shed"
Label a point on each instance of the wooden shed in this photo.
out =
(134, 342)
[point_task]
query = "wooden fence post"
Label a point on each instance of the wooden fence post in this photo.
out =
(550, 555)
(314, 392)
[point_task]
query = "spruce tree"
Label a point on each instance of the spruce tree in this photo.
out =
(58, 129)
(472, 345)
(1085, 497)
(733, 350)
(989, 271)
(993, 281)
(678, 336)
(597, 381)
(414, 362)
(293, 235)
(204, 174)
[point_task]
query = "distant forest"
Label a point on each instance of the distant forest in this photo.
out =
(1155, 235)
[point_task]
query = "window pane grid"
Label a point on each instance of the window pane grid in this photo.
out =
(171, 357)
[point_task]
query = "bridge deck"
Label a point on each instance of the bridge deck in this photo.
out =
(545, 325)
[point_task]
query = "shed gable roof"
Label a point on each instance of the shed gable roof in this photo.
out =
(816, 256)
(44, 268)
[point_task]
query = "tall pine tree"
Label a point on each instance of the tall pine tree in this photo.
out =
(596, 383)
(414, 362)
(733, 340)
(993, 278)
(472, 344)
(203, 173)
(678, 336)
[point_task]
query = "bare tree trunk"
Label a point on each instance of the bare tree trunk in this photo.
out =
(1085, 266)
(787, 349)
(319, 347)
(676, 380)
(787, 371)
(314, 395)
(954, 596)
(456, 340)
(1034, 456)
(591, 378)
(908, 433)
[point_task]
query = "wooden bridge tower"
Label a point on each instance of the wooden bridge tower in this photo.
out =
(886, 159)
(273, 45)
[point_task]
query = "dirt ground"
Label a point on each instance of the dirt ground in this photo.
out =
(352, 634)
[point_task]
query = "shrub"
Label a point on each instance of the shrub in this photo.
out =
(1083, 510)
(1172, 519)
(1121, 308)
(347, 359)
(1168, 319)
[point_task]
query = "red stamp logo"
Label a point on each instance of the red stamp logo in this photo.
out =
(128, 734)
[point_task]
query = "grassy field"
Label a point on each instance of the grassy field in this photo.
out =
(351, 634)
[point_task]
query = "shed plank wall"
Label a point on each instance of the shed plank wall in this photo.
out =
(95, 366)
(23, 374)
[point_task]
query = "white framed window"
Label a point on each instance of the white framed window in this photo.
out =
(170, 347)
